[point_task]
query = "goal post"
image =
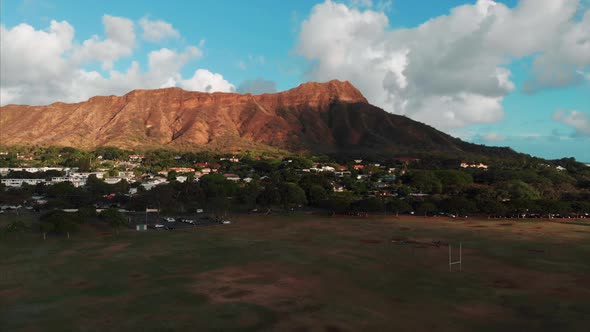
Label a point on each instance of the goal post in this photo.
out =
(460, 261)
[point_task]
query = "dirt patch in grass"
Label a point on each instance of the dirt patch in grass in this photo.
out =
(137, 276)
(264, 284)
(236, 294)
(504, 283)
(80, 284)
(559, 285)
(12, 293)
(482, 311)
(68, 252)
(113, 249)
(369, 241)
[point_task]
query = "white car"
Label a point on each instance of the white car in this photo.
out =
(225, 222)
(169, 219)
(188, 221)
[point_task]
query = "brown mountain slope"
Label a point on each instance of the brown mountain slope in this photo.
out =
(318, 117)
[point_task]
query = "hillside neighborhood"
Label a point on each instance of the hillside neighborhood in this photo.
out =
(111, 177)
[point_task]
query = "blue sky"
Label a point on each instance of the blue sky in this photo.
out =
(495, 73)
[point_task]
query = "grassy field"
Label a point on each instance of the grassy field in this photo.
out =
(301, 273)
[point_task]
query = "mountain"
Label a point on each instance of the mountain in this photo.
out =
(332, 117)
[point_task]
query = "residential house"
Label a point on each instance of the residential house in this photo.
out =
(20, 182)
(75, 181)
(135, 158)
(474, 165)
(231, 177)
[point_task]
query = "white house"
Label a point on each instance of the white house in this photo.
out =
(112, 180)
(231, 177)
(20, 182)
(152, 183)
(327, 169)
(480, 165)
(342, 173)
(77, 182)
(99, 175)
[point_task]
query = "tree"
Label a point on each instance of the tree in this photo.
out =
(452, 180)
(249, 193)
(458, 205)
(522, 206)
(338, 203)
(113, 172)
(581, 207)
(63, 222)
(84, 164)
(426, 182)
(551, 207)
(426, 208)
(216, 185)
(371, 204)
(110, 153)
(292, 194)
(298, 162)
(398, 206)
(491, 207)
(518, 190)
(115, 218)
(171, 176)
(316, 194)
(190, 177)
(217, 190)
(269, 196)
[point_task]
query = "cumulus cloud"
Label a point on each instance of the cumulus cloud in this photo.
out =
(580, 121)
(155, 31)
(257, 86)
(119, 42)
(43, 66)
(450, 71)
(206, 81)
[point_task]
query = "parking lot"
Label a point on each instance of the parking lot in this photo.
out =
(155, 221)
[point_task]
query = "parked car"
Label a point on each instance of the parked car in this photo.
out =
(157, 226)
(169, 219)
(225, 222)
(188, 221)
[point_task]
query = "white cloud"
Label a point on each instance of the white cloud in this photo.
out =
(119, 42)
(360, 3)
(43, 66)
(206, 81)
(155, 31)
(580, 121)
(450, 71)
(33, 55)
